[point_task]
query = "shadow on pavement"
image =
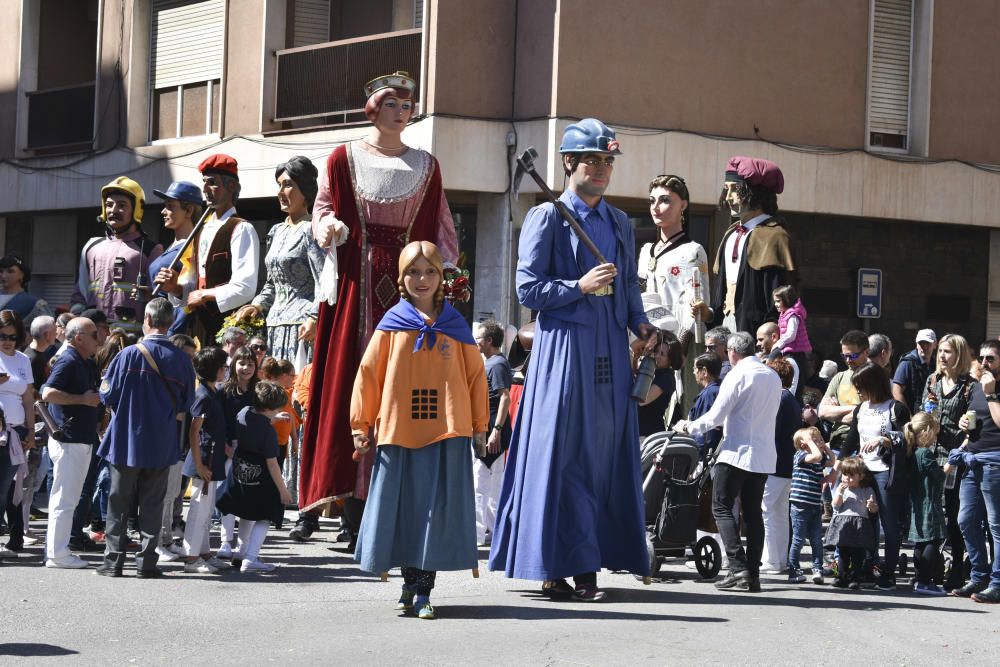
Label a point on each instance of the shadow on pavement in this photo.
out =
(848, 600)
(31, 650)
(560, 611)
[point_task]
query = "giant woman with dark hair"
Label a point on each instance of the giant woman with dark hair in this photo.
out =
(294, 262)
(377, 195)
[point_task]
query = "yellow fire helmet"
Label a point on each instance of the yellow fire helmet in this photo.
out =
(132, 189)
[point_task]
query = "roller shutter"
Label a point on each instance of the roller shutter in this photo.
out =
(312, 22)
(187, 42)
(889, 94)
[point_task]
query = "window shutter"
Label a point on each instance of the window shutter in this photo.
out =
(889, 93)
(187, 44)
(312, 22)
(993, 320)
(418, 13)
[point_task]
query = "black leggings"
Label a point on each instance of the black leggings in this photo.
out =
(955, 539)
(418, 581)
(851, 564)
(928, 561)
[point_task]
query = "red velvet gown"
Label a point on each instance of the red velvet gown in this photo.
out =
(385, 203)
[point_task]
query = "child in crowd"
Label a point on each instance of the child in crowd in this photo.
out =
(806, 501)
(793, 340)
(927, 532)
(286, 422)
(852, 529)
(423, 382)
(238, 393)
(206, 462)
(256, 492)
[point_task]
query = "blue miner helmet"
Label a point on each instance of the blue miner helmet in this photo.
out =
(589, 136)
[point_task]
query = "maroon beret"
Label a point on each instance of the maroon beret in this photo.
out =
(220, 163)
(755, 171)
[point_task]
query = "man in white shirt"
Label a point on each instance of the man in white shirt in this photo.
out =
(227, 254)
(746, 407)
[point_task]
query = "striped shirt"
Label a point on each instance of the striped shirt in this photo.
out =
(807, 481)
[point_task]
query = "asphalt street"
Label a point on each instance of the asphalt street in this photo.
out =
(317, 608)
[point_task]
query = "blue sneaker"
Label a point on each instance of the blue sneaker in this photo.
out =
(424, 609)
(405, 601)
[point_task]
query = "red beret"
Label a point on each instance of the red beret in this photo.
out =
(219, 163)
(755, 171)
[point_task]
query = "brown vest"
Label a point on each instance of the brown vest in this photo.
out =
(219, 263)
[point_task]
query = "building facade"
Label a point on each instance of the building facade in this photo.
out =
(880, 113)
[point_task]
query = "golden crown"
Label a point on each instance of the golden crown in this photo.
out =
(398, 79)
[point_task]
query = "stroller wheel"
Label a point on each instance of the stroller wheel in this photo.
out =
(708, 557)
(654, 561)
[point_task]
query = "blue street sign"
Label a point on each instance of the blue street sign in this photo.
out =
(870, 293)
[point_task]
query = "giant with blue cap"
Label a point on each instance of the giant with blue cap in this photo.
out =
(181, 191)
(589, 136)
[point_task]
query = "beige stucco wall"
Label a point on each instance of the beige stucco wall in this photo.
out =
(244, 66)
(798, 70)
(965, 88)
(471, 58)
(10, 20)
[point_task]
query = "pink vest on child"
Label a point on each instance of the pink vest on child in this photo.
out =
(801, 341)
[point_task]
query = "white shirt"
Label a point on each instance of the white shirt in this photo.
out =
(673, 278)
(746, 408)
(733, 268)
(18, 368)
(874, 421)
(244, 249)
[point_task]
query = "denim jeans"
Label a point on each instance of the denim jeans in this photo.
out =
(893, 507)
(979, 500)
(807, 525)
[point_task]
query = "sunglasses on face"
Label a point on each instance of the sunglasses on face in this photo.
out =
(259, 348)
(8, 337)
(988, 358)
(851, 356)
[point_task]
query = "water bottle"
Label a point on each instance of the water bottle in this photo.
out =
(950, 477)
(643, 378)
(931, 404)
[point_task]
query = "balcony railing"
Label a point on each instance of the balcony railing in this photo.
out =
(328, 79)
(61, 117)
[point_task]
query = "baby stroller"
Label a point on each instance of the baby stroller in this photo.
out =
(675, 490)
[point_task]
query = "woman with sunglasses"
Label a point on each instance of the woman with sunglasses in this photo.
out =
(17, 397)
(14, 276)
(675, 268)
(947, 395)
(979, 492)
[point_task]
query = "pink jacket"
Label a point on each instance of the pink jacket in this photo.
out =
(801, 341)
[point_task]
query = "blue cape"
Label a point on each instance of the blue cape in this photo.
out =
(404, 317)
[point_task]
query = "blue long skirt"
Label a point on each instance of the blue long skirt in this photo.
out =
(571, 501)
(421, 509)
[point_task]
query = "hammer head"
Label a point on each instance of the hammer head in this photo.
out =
(525, 164)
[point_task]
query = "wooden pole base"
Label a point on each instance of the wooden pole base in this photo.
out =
(384, 577)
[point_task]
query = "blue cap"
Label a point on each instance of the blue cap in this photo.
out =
(589, 136)
(182, 191)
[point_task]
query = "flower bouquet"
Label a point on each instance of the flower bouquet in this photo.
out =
(253, 326)
(456, 285)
